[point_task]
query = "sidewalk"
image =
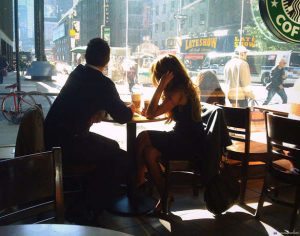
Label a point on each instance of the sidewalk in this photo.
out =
(8, 131)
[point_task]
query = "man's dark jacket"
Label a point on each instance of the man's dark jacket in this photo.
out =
(86, 92)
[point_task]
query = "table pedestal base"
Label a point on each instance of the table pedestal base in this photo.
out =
(138, 205)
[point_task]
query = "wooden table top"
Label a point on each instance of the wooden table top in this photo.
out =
(138, 118)
(55, 230)
(282, 109)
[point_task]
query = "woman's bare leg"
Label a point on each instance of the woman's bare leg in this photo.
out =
(152, 156)
(142, 143)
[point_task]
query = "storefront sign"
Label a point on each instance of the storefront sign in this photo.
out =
(248, 42)
(282, 18)
(217, 44)
(209, 42)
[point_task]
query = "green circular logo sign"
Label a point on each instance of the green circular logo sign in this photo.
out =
(282, 17)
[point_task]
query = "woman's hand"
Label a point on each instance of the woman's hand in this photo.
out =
(166, 78)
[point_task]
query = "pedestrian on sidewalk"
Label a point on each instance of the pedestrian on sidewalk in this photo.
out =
(277, 75)
(3, 68)
(237, 76)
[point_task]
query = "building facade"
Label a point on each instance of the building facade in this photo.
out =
(6, 29)
(177, 21)
(139, 22)
(174, 20)
(103, 18)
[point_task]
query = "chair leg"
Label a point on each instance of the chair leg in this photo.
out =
(262, 198)
(164, 200)
(244, 179)
(276, 188)
(295, 210)
(195, 185)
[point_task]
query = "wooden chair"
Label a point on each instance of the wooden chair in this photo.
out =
(30, 139)
(186, 168)
(200, 171)
(31, 186)
(243, 153)
(283, 140)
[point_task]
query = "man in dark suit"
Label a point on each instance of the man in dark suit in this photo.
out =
(85, 98)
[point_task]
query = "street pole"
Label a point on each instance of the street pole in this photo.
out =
(178, 18)
(40, 69)
(17, 44)
(126, 39)
(39, 30)
(242, 19)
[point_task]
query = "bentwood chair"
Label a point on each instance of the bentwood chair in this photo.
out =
(244, 155)
(283, 140)
(31, 188)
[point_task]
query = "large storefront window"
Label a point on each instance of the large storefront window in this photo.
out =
(204, 34)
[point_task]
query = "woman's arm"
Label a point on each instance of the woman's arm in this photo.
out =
(168, 104)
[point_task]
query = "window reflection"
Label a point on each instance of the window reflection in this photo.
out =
(202, 33)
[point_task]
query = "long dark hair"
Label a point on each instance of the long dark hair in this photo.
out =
(181, 81)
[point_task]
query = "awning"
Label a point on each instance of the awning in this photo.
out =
(194, 56)
(80, 49)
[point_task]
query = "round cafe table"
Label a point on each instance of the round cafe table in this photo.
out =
(55, 230)
(134, 204)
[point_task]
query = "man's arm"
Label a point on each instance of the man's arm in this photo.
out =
(245, 79)
(115, 106)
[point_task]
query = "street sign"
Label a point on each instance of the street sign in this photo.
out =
(105, 33)
(180, 16)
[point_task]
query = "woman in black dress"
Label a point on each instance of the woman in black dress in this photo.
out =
(180, 102)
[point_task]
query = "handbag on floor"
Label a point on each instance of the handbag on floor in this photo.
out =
(221, 192)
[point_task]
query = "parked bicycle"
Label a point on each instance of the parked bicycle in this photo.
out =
(16, 103)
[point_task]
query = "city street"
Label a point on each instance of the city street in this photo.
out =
(115, 131)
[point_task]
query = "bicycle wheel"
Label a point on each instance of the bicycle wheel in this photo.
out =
(41, 99)
(14, 105)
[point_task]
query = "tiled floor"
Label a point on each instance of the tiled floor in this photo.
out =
(196, 220)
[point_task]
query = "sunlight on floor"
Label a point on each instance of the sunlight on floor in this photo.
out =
(254, 205)
(194, 214)
(201, 214)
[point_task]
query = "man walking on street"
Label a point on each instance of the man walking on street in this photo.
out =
(237, 75)
(276, 85)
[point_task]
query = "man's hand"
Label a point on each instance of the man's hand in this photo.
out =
(98, 117)
(132, 107)
(281, 86)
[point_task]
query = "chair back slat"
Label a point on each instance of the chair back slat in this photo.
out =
(237, 117)
(283, 138)
(238, 124)
(28, 182)
(283, 129)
